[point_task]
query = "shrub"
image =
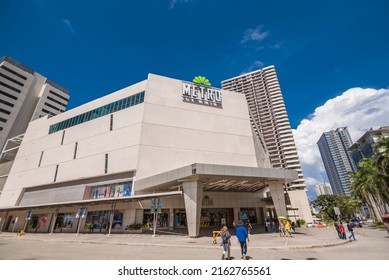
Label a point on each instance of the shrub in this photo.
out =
(301, 222)
(133, 227)
(378, 224)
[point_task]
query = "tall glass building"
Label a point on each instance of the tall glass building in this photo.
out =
(333, 146)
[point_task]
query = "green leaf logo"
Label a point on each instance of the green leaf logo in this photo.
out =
(201, 81)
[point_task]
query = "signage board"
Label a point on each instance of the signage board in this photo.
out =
(201, 92)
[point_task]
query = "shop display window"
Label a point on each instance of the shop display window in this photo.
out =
(122, 189)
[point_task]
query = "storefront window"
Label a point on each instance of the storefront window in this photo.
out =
(216, 217)
(64, 220)
(99, 220)
(179, 218)
(37, 222)
(162, 218)
(248, 214)
(68, 220)
(122, 189)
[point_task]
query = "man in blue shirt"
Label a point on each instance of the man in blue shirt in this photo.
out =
(242, 235)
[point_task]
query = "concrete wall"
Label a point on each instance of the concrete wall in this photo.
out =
(298, 199)
(177, 133)
(5, 168)
(161, 134)
(94, 139)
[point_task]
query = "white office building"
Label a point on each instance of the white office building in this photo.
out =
(270, 122)
(323, 188)
(184, 150)
(25, 95)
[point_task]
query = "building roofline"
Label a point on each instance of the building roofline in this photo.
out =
(249, 73)
(366, 134)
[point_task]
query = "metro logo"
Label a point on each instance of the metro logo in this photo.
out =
(202, 81)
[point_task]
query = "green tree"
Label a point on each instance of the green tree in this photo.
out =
(347, 205)
(381, 155)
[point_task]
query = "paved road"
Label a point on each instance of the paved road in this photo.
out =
(309, 243)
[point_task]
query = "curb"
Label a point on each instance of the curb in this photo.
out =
(199, 246)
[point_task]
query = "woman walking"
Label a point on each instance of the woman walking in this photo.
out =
(226, 243)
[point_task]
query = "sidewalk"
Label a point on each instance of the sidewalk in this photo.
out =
(302, 239)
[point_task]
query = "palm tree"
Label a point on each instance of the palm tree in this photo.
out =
(381, 155)
(381, 159)
(367, 186)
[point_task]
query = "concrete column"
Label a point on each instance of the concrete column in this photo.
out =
(277, 194)
(236, 215)
(193, 195)
(171, 219)
(259, 218)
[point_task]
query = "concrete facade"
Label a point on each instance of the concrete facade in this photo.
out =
(106, 159)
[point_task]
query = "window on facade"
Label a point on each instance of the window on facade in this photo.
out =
(106, 164)
(111, 123)
(75, 150)
(6, 103)
(5, 111)
(8, 95)
(40, 159)
(63, 137)
(99, 112)
(56, 173)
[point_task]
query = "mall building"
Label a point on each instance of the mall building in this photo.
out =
(182, 150)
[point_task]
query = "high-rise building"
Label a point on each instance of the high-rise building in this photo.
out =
(25, 95)
(271, 124)
(323, 188)
(333, 147)
(364, 146)
(269, 117)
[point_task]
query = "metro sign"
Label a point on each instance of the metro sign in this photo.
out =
(201, 93)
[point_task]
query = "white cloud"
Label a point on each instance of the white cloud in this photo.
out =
(254, 66)
(174, 2)
(69, 25)
(255, 34)
(357, 108)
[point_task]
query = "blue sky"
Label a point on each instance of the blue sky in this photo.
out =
(320, 49)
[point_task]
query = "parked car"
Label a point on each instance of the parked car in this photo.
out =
(356, 223)
(309, 225)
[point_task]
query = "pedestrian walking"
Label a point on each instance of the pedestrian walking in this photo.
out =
(342, 231)
(91, 226)
(267, 226)
(351, 230)
(242, 235)
(338, 230)
(287, 228)
(274, 225)
(226, 243)
(249, 227)
(281, 229)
